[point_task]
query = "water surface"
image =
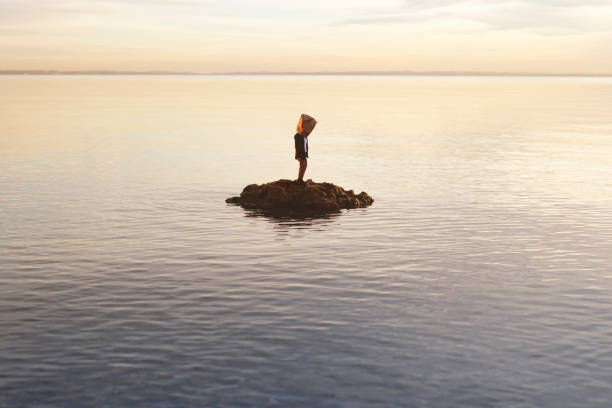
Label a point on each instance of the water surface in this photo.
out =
(480, 276)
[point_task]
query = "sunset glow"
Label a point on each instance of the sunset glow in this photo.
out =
(550, 36)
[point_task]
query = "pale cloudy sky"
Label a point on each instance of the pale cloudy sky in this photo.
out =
(553, 36)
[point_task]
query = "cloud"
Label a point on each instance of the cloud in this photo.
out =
(16, 11)
(218, 35)
(547, 16)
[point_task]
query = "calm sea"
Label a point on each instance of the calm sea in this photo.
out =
(480, 277)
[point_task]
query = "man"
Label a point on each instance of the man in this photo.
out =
(305, 125)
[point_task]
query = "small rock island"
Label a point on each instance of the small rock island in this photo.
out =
(287, 196)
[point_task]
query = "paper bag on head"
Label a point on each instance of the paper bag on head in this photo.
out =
(305, 125)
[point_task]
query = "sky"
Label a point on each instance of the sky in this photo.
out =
(538, 36)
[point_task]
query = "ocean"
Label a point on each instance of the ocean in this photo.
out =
(480, 277)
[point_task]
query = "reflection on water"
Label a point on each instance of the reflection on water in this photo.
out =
(283, 222)
(480, 277)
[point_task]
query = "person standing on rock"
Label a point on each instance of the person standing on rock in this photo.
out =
(303, 129)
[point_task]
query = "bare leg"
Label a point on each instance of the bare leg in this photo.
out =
(302, 170)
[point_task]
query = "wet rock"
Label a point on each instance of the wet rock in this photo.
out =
(292, 197)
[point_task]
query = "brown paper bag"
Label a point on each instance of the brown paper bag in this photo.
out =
(305, 125)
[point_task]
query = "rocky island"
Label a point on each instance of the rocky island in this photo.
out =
(286, 196)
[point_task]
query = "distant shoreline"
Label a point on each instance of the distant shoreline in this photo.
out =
(322, 73)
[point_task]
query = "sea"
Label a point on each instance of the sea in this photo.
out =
(480, 277)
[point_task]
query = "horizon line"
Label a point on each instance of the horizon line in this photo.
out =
(320, 73)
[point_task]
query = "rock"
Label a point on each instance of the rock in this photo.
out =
(286, 196)
(233, 200)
